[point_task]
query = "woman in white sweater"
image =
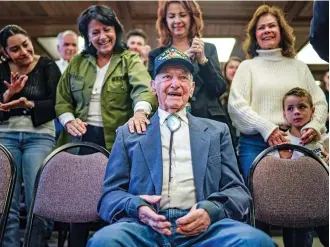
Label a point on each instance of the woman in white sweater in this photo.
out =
(255, 100)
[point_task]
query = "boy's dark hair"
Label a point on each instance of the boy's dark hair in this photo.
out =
(299, 92)
(137, 32)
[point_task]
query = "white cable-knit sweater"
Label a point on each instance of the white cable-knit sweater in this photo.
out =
(255, 100)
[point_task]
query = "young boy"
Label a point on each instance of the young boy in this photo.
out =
(298, 110)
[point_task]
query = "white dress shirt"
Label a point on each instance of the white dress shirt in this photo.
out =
(62, 64)
(181, 192)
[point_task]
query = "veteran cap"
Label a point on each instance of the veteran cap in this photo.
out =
(172, 56)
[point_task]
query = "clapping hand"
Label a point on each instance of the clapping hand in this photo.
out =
(19, 103)
(196, 50)
(17, 83)
(144, 53)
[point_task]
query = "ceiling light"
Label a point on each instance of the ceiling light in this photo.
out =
(224, 47)
(309, 56)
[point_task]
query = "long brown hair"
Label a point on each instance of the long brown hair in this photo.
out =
(287, 42)
(196, 27)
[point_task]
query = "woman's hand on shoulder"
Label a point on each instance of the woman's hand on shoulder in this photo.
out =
(139, 122)
(76, 127)
(277, 137)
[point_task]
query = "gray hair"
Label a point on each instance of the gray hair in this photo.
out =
(66, 32)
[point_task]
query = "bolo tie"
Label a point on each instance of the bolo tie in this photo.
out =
(173, 123)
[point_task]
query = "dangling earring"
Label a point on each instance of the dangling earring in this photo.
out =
(89, 44)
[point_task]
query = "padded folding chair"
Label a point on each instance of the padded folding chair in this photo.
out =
(291, 193)
(7, 184)
(68, 186)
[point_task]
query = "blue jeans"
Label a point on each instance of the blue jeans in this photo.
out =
(249, 147)
(58, 128)
(225, 233)
(28, 150)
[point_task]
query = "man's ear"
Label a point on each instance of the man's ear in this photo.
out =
(153, 87)
(313, 110)
(192, 89)
(58, 48)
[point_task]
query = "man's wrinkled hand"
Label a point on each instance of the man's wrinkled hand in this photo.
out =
(194, 223)
(149, 217)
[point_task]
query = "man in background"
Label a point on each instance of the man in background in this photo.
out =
(67, 47)
(137, 42)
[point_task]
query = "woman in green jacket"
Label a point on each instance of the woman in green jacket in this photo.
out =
(101, 89)
(104, 85)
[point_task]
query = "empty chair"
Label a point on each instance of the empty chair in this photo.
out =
(291, 193)
(68, 186)
(7, 183)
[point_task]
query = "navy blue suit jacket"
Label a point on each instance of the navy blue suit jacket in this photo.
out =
(135, 168)
(319, 32)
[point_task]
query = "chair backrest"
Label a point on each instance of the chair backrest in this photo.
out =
(7, 183)
(289, 192)
(69, 185)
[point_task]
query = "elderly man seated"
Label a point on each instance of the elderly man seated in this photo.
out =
(178, 183)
